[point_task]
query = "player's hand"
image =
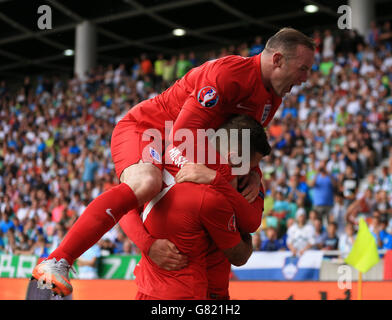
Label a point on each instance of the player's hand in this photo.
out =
(195, 172)
(250, 186)
(165, 254)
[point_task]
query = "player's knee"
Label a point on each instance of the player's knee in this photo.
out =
(151, 184)
(144, 183)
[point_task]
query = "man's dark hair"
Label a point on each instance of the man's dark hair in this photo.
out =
(333, 223)
(287, 39)
(258, 137)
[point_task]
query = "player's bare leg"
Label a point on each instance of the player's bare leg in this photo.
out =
(139, 183)
(144, 179)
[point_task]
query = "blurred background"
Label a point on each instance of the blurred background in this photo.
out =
(70, 70)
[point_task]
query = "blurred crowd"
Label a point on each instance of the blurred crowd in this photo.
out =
(326, 137)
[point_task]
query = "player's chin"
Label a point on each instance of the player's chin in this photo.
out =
(287, 90)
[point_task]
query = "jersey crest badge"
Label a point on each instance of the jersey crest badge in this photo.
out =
(208, 97)
(155, 155)
(266, 111)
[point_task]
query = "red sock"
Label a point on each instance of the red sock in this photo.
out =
(97, 219)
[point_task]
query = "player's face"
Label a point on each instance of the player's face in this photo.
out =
(292, 71)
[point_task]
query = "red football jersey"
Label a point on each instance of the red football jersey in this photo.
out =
(208, 94)
(193, 217)
(218, 274)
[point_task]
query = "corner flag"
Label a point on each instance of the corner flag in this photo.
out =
(363, 256)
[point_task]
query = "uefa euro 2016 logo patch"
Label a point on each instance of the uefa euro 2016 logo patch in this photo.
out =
(208, 97)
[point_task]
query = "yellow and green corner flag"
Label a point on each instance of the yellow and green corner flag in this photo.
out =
(363, 256)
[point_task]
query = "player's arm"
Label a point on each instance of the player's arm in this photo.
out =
(209, 98)
(201, 108)
(161, 251)
(240, 254)
(193, 119)
(218, 217)
(248, 214)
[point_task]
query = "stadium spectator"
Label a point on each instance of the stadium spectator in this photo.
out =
(332, 240)
(339, 213)
(5, 223)
(328, 45)
(335, 166)
(146, 65)
(300, 236)
(158, 68)
(281, 210)
(90, 167)
(257, 46)
(364, 205)
(298, 190)
(39, 248)
(385, 36)
(10, 243)
(373, 35)
(57, 237)
(382, 203)
(313, 216)
(128, 247)
(272, 243)
(346, 240)
(323, 190)
(169, 69)
(320, 234)
(348, 184)
(183, 66)
(88, 263)
(384, 234)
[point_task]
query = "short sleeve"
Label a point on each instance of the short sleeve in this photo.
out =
(218, 217)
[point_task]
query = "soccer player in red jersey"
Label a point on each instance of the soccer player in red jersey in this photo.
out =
(196, 216)
(204, 98)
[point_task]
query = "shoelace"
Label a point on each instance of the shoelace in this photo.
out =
(61, 265)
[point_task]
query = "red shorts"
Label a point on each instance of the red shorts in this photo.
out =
(131, 142)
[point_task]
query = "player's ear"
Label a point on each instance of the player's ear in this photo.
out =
(277, 59)
(233, 159)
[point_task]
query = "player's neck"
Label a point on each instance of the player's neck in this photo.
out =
(265, 73)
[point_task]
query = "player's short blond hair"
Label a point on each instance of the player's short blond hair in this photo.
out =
(287, 40)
